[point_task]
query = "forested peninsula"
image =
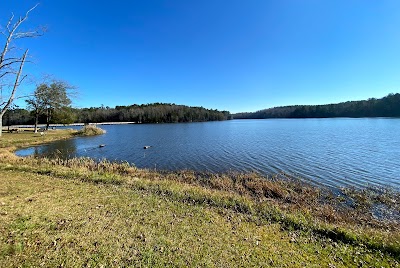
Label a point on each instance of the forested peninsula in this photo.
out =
(388, 106)
(145, 113)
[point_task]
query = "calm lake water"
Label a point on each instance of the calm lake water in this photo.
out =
(329, 152)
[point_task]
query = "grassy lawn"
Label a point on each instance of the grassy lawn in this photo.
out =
(80, 213)
(22, 139)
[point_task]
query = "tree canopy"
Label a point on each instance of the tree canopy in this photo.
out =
(145, 113)
(51, 100)
(388, 106)
(151, 113)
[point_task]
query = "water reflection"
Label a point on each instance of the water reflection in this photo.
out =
(330, 152)
(65, 149)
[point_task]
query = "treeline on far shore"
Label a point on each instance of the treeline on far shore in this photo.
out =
(388, 106)
(145, 113)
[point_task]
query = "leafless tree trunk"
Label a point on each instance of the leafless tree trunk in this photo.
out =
(17, 82)
(10, 65)
(36, 120)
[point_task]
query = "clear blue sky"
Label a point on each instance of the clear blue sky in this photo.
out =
(233, 55)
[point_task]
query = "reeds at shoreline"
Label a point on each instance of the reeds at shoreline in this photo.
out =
(346, 217)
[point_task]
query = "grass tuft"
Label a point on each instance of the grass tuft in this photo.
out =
(90, 130)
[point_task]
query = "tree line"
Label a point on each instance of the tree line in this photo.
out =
(145, 113)
(150, 113)
(51, 103)
(388, 106)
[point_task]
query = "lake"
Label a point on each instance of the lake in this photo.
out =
(332, 152)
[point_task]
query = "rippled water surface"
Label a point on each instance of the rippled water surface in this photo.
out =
(330, 152)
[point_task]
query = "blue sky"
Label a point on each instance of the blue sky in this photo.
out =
(230, 55)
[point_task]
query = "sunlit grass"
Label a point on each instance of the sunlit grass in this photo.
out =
(48, 221)
(21, 139)
(80, 212)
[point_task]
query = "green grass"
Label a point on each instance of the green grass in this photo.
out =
(82, 213)
(22, 139)
(48, 221)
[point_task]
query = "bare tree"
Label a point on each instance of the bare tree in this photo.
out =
(11, 64)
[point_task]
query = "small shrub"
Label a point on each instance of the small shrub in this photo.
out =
(90, 130)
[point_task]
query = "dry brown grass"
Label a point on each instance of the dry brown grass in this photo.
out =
(54, 222)
(293, 205)
(90, 130)
(12, 141)
(302, 207)
(280, 190)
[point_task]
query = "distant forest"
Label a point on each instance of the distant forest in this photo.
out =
(146, 113)
(388, 106)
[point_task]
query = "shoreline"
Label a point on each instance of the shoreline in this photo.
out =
(339, 192)
(72, 125)
(294, 207)
(198, 177)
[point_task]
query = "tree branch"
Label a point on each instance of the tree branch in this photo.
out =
(9, 22)
(16, 84)
(27, 35)
(5, 73)
(10, 63)
(11, 32)
(27, 13)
